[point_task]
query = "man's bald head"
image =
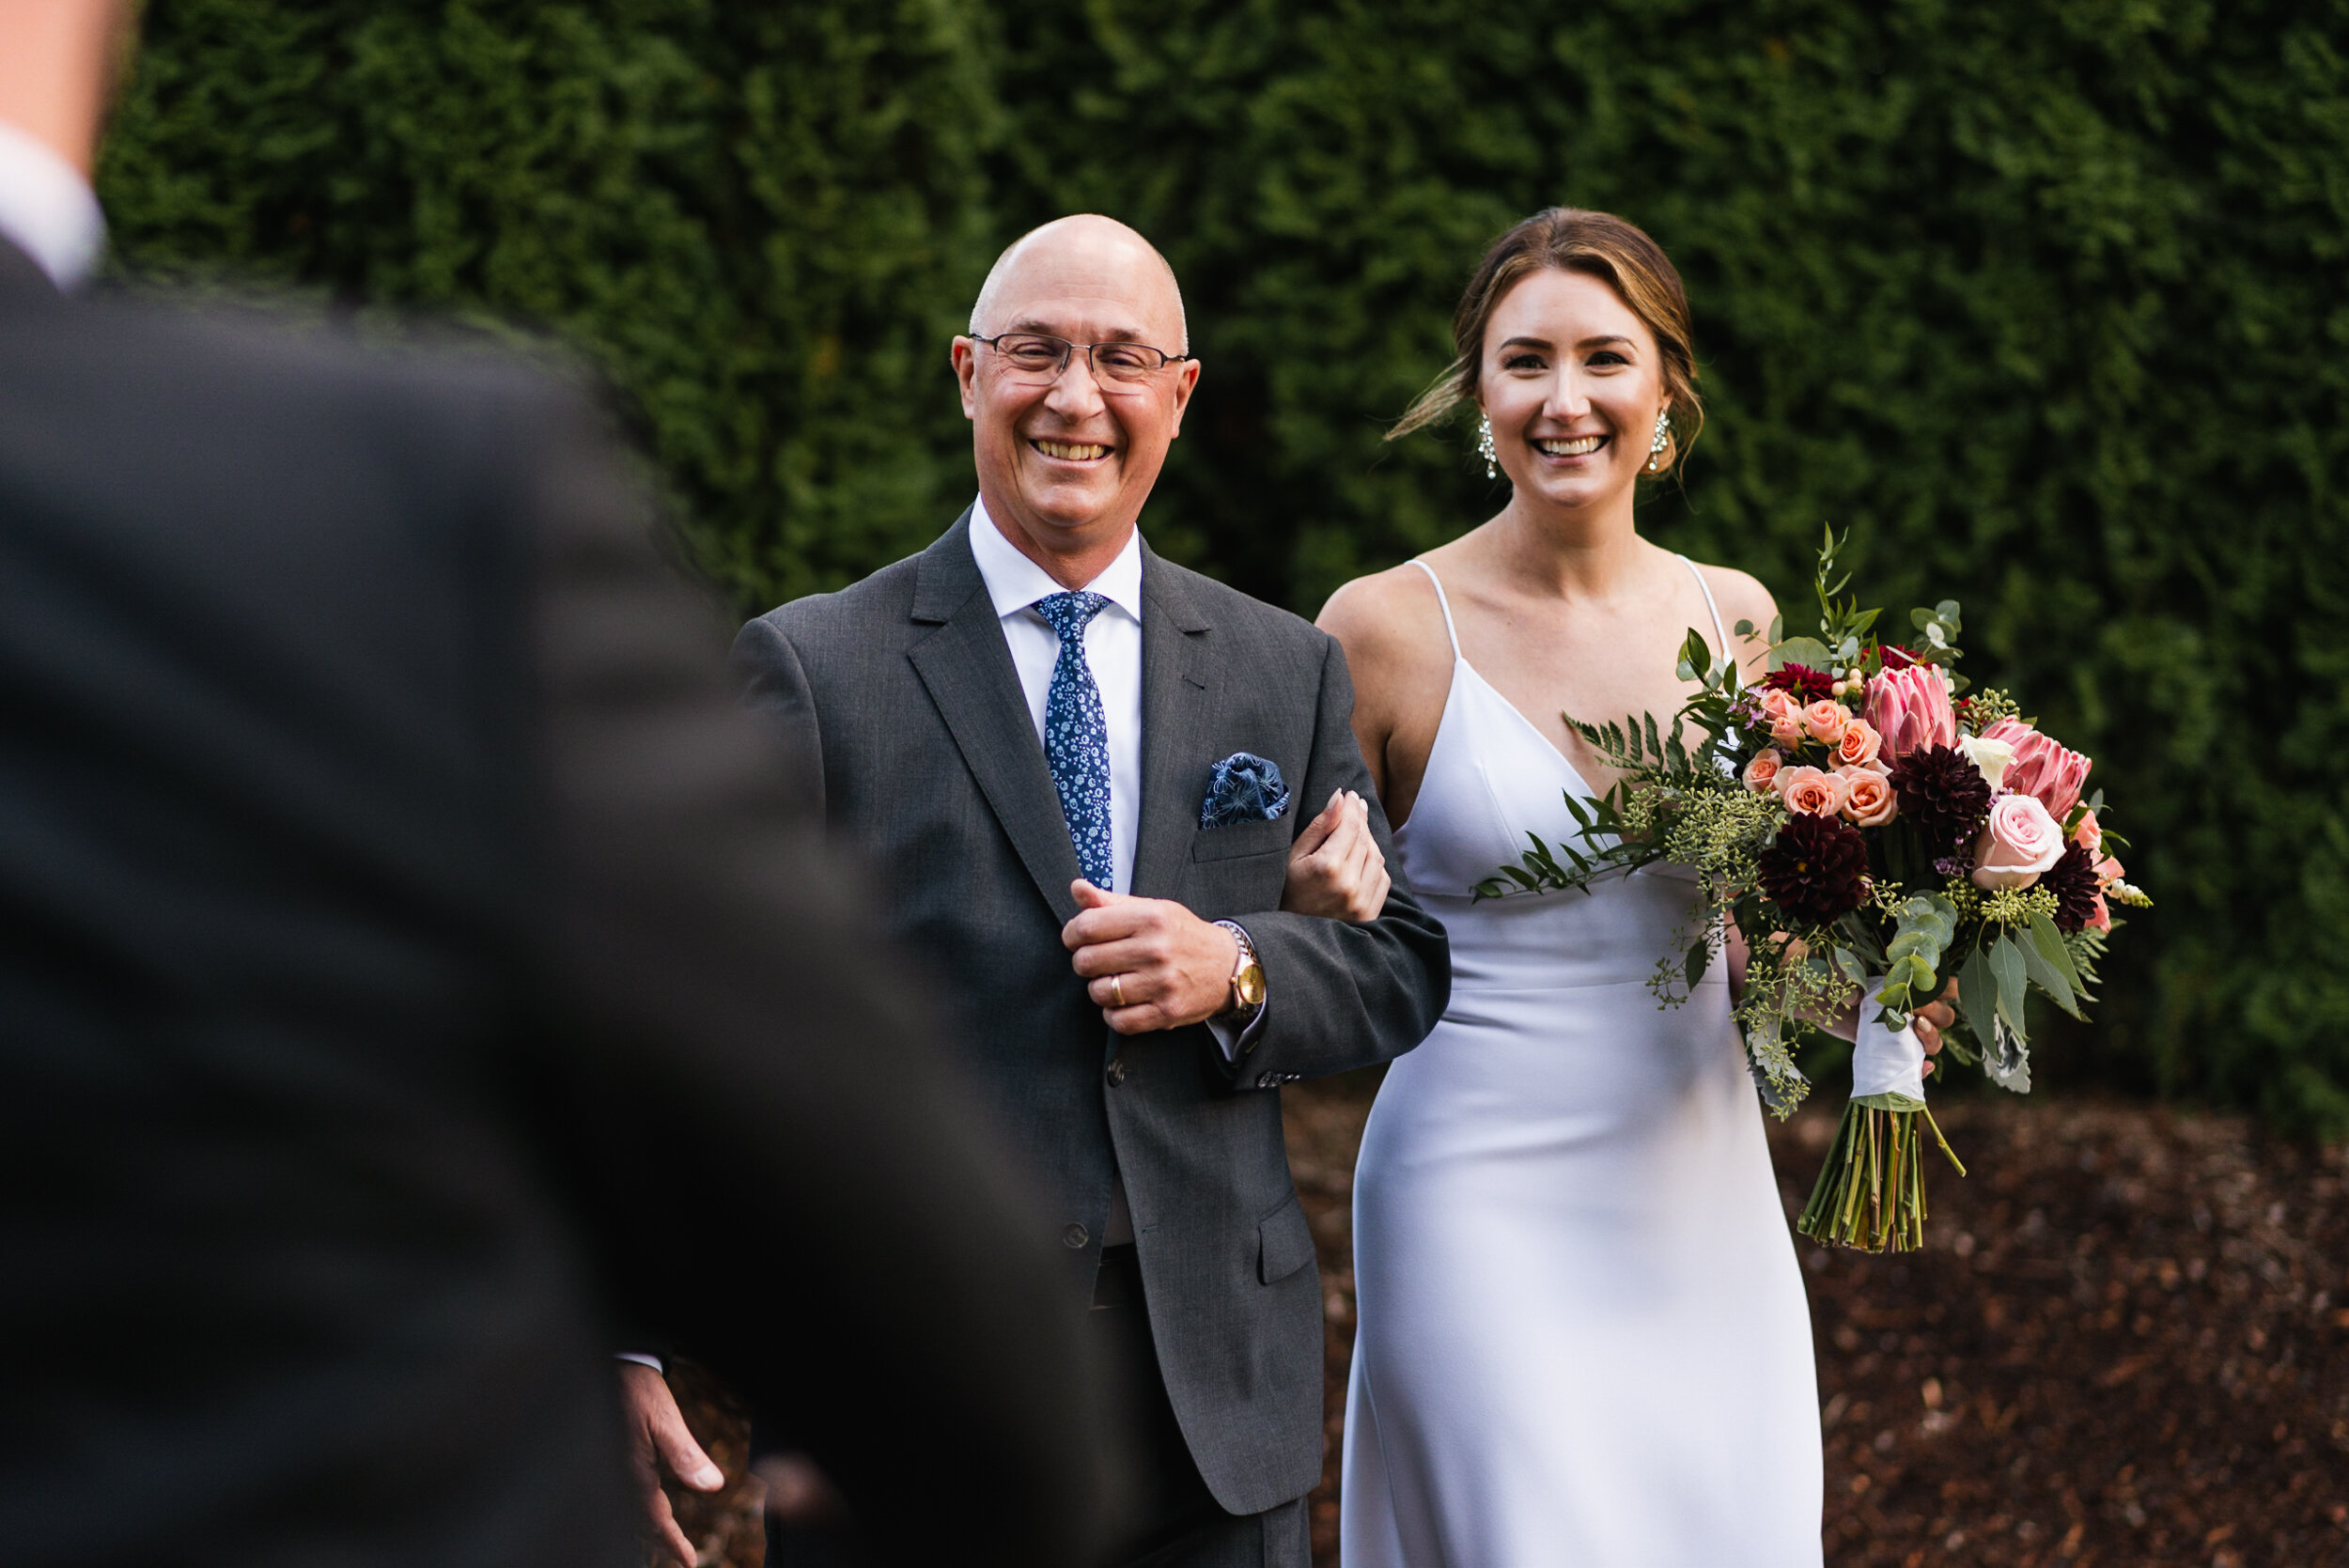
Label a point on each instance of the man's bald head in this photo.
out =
(1066, 458)
(1112, 256)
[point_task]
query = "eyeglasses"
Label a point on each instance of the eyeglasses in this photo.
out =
(1039, 360)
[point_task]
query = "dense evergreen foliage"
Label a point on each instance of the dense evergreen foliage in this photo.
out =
(2042, 301)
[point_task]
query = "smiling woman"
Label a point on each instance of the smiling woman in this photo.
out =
(1582, 1333)
(1596, 245)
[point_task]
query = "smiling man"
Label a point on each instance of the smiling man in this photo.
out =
(1073, 765)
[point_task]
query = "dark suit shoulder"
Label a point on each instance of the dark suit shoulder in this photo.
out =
(1227, 607)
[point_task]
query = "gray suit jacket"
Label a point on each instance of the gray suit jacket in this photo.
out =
(901, 697)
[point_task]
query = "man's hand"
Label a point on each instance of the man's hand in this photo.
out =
(659, 1439)
(1152, 963)
(1335, 869)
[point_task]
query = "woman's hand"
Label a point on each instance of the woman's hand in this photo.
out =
(1931, 1019)
(1335, 869)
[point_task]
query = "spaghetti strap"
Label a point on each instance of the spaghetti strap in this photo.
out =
(1703, 587)
(1448, 630)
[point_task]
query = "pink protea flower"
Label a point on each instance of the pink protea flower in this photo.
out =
(2042, 768)
(1909, 708)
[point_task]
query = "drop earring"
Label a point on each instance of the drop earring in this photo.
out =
(1663, 438)
(1485, 446)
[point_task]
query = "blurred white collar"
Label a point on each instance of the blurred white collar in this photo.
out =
(47, 209)
(1014, 582)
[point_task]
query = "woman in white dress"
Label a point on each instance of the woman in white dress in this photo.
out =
(1583, 1337)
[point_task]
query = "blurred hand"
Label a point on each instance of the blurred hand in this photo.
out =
(658, 1440)
(1931, 1019)
(1152, 963)
(1335, 869)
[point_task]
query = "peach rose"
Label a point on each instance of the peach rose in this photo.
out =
(1761, 772)
(2089, 835)
(2108, 871)
(1825, 720)
(1867, 797)
(1910, 708)
(1783, 716)
(2018, 845)
(1858, 745)
(1811, 791)
(2042, 767)
(2099, 915)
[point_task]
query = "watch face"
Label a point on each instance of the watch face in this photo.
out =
(1247, 985)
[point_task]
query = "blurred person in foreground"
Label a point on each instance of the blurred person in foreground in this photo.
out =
(417, 965)
(1119, 808)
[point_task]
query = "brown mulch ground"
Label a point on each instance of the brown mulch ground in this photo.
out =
(2125, 1343)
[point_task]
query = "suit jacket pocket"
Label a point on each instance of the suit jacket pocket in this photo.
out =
(1284, 1243)
(1243, 838)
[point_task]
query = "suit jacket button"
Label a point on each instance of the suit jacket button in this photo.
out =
(1117, 1072)
(1075, 1236)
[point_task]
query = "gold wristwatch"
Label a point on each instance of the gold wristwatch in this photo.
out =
(1247, 974)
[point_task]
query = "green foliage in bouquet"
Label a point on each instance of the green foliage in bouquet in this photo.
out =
(1866, 832)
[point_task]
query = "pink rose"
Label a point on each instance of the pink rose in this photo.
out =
(1858, 745)
(1761, 772)
(2041, 767)
(1811, 791)
(2099, 915)
(1825, 720)
(1910, 708)
(2018, 842)
(1783, 716)
(2089, 835)
(1867, 797)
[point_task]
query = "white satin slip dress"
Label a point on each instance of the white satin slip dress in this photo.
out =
(1582, 1340)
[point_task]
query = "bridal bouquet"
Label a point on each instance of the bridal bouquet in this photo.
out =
(1874, 834)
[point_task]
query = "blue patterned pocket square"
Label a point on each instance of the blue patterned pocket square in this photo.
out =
(1243, 787)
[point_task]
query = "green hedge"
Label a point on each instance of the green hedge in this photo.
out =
(2042, 301)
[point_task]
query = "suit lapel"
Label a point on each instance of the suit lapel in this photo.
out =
(1177, 692)
(967, 668)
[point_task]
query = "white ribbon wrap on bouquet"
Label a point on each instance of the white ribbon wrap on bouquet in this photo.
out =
(1883, 1062)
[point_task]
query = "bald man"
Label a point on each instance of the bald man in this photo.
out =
(1119, 809)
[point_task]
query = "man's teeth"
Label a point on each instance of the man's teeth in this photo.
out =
(1068, 452)
(1580, 446)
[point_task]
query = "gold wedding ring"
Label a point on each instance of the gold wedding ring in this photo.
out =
(1118, 990)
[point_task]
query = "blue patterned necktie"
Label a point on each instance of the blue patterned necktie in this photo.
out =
(1075, 736)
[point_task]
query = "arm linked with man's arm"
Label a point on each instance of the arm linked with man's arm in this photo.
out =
(744, 1092)
(1341, 995)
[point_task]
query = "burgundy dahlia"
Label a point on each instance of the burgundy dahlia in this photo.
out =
(1802, 682)
(1816, 870)
(2073, 880)
(1943, 793)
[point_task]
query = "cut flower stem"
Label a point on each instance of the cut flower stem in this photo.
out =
(1870, 1193)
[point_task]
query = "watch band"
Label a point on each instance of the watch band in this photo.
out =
(1243, 980)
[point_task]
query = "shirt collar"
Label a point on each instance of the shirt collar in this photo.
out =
(47, 209)
(1014, 582)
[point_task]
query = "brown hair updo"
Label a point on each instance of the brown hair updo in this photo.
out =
(1573, 240)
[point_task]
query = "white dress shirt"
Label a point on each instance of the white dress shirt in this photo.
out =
(47, 209)
(1113, 650)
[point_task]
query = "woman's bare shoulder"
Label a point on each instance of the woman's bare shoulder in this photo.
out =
(1740, 595)
(1388, 616)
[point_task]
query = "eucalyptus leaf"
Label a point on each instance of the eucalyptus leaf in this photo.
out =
(1699, 956)
(2049, 942)
(1807, 651)
(1978, 994)
(2046, 976)
(2006, 965)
